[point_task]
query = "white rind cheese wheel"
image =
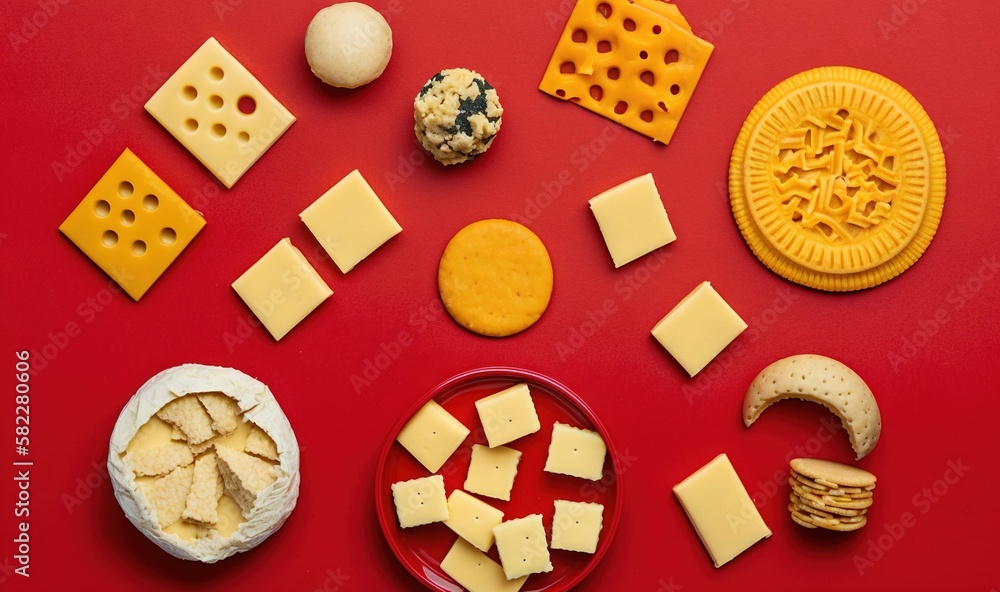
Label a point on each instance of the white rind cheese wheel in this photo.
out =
(259, 406)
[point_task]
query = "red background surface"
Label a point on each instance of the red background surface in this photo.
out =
(938, 398)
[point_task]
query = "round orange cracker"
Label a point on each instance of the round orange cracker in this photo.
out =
(837, 179)
(495, 278)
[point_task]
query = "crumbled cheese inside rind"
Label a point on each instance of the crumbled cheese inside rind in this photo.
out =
(224, 411)
(168, 495)
(190, 417)
(244, 476)
(160, 460)
(203, 500)
(260, 444)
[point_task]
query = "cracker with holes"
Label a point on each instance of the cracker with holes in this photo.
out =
(219, 112)
(204, 463)
(822, 380)
(634, 62)
(132, 225)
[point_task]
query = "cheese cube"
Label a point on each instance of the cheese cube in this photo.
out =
(576, 452)
(219, 112)
(508, 415)
(698, 328)
(492, 471)
(420, 501)
(576, 526)
(522, 546)
(432, 435)
(282, 288)
(476, 572)
(632, 219)
(721, 511)
(350, 221)
(132, 225)
(472, 519)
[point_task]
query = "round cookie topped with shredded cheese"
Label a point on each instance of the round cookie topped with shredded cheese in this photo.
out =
(457, 114)
(837, 179)
(495, 278)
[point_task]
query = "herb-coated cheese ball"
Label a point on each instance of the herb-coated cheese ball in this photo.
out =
(457, 115)
(348, 45)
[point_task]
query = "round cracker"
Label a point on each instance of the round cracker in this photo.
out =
(834, 503)
(822, 380)
(833, 509)
(832, 474)
(801, 507)
(813, 487)
(495, 278)
(848, 526)
(802, 522)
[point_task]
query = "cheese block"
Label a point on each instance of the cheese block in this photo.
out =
(522, 546)
(472, 519)
(576, 526)
(350, 221)
(282, 288)
(132, 225)
(698, 328)
(508, 415)
(432, 435)
(219, 112)
(632, 219)
(138, 428)
(635, 63)
(420, 501)
(476, 572)
(721, 511)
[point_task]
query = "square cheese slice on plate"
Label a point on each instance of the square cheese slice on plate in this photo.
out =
(576, 526)
(576, 452)
(420, 501)
(508, 415)
(698, 328)
(721, 511)
(492, 471)
(476, 572)
(522, 546)
(350, 221)
(282, 288)
(432, 435)
(472, 519)
(632, 219)
(132, 225)
(219, 112)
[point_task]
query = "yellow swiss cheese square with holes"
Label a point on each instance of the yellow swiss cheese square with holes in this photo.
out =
(634, 63)
(132, 225)
(219, 112)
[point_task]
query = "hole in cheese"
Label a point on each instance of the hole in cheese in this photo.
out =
(109, 238)
(168, 236)
(125, 189)
(621, 107)
(596, 93)
(671, 57)
(629, 24)
(647, 77)
(646, 116)
(216, 73)
(150, 203)
(579, 36)
(102, 209)
(246, 105)
(614, 73)
(215, 102)
(567, 68)
(243, 137)
(128, 217)
(219, 130)
(604, 9)
(603, 46)
(644, 54)
(191, 125)
(189, 93)
(657, 29)
(138, 248)
(675, 89)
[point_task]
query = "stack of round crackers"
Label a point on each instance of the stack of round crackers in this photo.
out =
(829, 495)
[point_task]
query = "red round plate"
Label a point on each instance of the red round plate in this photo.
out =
(422, 548)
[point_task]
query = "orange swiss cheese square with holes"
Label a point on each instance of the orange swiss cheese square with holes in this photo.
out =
(132, 225)
(634, 63)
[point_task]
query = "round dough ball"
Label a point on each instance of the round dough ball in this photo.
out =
(457, 114)
(348, 45)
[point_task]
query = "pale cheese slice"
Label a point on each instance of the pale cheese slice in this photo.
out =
(244, 476)
(160, 460)
(168, 495)
(476, 572)
(224, 411)
(190, 417)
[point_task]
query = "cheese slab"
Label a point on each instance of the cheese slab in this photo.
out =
(282, 288)
(132, 225)
(219, 112)
(472, 519)
(635, 63)
(420, 501)
(576, 526)
(508, 415)
(432, 435)
(492, 471)
(698, 328)
(633, 220)
(350, 221)
(576, 452)
(522, 546)
(476, 572)
(721, 511)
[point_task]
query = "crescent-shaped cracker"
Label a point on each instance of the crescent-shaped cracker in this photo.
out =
(822, 380)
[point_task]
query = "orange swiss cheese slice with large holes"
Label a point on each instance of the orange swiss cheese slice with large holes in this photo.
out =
(634, 63)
